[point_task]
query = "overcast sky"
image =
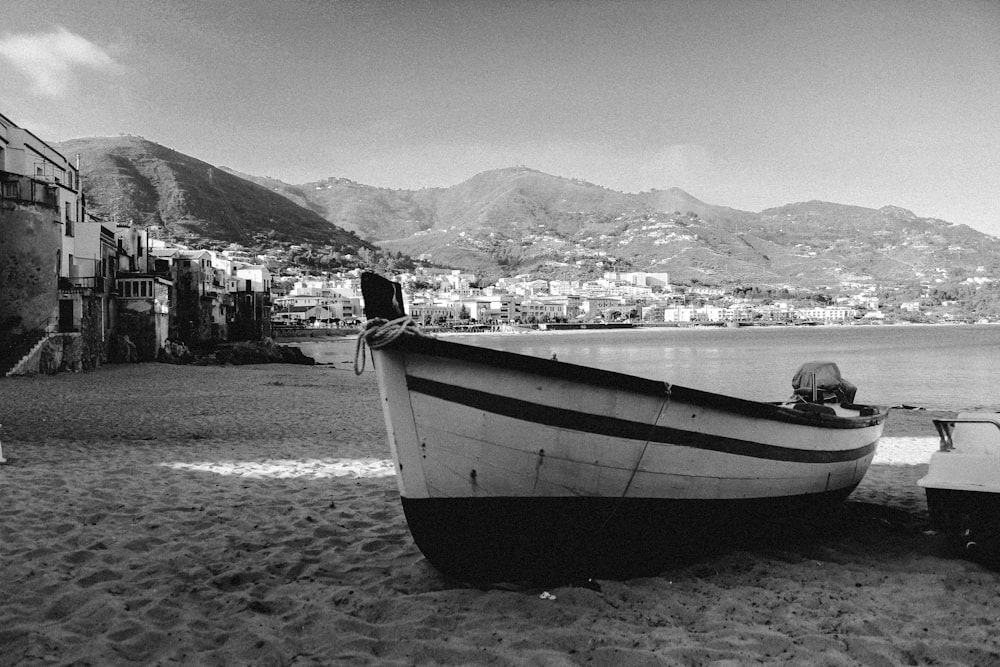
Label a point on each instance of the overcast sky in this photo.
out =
(749, 104)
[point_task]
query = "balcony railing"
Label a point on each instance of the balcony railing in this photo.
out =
(27, 190)
(82, 284)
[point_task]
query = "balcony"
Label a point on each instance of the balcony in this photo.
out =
(27, 190)
(82, 284)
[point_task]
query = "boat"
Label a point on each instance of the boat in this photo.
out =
(513, 467)
(962, 483)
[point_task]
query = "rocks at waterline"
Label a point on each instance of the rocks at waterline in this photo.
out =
(264, 351)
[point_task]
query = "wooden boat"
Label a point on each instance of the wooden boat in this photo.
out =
(963, 483)
(512, 467)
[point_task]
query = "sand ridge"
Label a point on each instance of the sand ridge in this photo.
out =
(154, 514)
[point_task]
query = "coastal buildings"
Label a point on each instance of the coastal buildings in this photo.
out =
(43, 282)
(633, 297)
(77, 291)
(143, 316)
(314, 300)
(431, 300)
(86, 296)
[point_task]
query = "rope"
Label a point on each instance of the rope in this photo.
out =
(638, 461)
(378, 333)
(645, 445)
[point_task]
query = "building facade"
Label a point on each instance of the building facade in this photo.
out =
(40, 205)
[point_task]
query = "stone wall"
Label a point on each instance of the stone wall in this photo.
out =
(139, 327)
(59, 352)
(95, 347)
(29, 244)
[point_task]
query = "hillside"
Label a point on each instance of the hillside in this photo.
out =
(490, 200)
(519, 220)
(128, 178)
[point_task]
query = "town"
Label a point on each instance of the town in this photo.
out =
(451, 298)
(78, 291)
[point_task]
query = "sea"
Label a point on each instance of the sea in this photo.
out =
(953, 368)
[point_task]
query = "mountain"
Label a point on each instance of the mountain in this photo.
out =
(520, 220)
(492, 200)
(372, 213)
(128, 178)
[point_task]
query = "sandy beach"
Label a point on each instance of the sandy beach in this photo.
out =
(221, 515)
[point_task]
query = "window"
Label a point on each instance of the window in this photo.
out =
(69, 218)
(137, 289)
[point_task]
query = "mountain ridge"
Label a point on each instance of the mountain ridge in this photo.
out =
(521, 220)
(131, 179)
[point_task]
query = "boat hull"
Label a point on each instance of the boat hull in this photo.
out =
(955, 511)
(513, 467)
(963, 485)
(565, 539)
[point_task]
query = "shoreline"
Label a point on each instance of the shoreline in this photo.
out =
(328, 334)
(154, 513)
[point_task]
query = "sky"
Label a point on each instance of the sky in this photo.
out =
(750, 104)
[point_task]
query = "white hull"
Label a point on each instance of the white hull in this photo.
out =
(465, 432)
(969, 459)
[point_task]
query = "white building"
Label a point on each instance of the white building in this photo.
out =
(678, 314)
(828, 314)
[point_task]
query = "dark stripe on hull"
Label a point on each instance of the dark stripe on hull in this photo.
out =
(620, 428)
(563, 539)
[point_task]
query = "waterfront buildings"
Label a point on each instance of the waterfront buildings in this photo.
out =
(77, 291)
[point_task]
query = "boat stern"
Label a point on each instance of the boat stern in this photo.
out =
(962, 483)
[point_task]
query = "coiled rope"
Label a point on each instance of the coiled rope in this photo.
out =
(378, 333)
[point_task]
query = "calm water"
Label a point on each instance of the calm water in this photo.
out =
(935, 367)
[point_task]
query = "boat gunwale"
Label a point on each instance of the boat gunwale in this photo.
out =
(605, 379)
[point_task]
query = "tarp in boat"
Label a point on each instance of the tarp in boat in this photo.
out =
(825, 377)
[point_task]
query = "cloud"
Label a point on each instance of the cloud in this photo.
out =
(50, 60)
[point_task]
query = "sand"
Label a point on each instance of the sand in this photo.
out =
(154, 514)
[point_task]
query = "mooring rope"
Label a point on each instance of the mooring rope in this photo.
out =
(377, 333)
(628, 485)
(663, 406)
